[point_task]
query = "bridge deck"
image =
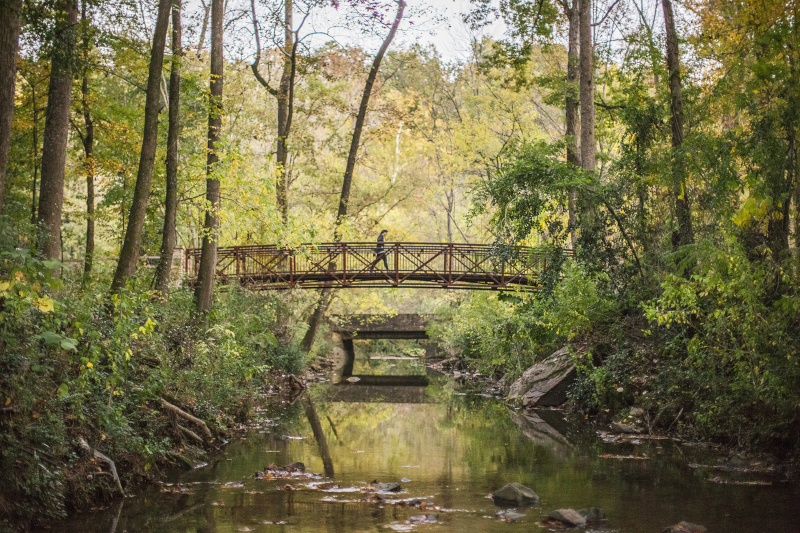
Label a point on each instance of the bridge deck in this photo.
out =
(421, 265)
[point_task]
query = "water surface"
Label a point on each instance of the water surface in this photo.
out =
(452, 448)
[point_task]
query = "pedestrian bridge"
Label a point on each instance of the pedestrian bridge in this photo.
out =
(355, 264)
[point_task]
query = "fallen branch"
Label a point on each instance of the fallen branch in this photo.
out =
(105, 458)
(191, 433)
(180, 412)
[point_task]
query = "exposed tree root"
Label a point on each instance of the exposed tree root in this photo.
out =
(180, 412)
(105, 458)
(192, 434)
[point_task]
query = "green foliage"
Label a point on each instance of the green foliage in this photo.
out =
(741, 339)
(73, 366)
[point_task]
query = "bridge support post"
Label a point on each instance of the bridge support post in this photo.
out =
(350, 356)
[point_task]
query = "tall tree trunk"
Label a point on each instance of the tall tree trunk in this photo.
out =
(9, 43)
(35, 151)
(204, 292)
(56, 131)
(682, 211)
(88, 148)
(572, 107)
(587, 87)
(284, 95)
(129, 254)
(169, 236)
(344, 199)
(284, 102)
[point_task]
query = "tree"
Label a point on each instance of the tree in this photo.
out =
(587, 87)
(684, 234)
(9, 41)
(284, 94)
(56, 130)
(129, 254)
(204, 291)
(344, 197)
(572, 107)
(87, 140)
(170, 235)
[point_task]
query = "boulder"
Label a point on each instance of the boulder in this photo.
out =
(592, 514)
(570, 517)
(546, 383)
(685, 527)
(514, 494)
(636, 411)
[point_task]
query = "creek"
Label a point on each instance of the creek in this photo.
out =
(448, 445)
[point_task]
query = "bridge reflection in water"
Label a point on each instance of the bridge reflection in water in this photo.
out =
(355, 264)
(380, 388)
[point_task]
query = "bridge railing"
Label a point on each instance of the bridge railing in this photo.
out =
(357, 264)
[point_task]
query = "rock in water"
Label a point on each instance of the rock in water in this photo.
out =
(570, 517)
(546, 383)
(685, 527)
(508, 515)
(593, 514)
(386, 487)
(423, 519)
(514, 494)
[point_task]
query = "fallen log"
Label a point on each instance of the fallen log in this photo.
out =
(105, 458)
(180, 412)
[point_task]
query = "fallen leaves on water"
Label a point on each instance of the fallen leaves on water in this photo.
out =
(636, 457)
(233, 485)
(290, 471)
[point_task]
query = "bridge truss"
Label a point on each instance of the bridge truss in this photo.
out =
(355, 264)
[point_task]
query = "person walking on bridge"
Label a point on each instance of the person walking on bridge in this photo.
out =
(380, 251)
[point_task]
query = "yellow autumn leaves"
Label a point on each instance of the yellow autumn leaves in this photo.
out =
(41, 302)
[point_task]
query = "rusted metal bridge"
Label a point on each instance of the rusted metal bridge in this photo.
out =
(356, 264)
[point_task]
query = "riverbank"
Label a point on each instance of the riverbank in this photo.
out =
(100, 396)
(620, 425)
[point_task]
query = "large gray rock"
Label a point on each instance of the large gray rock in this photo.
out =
(570, 517)
(546, 383)
(514, 494)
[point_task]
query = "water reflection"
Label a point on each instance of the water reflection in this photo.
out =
(447, 448)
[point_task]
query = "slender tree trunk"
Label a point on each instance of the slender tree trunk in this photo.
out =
(170, 236)
(35, 151)
(204, 292)
(9, 43)
(682, 211)
(129, 254)
(344, 199)
(572, 107)
(284, 103)
(56, 132)
(284, 95)
(587, 87)
(88, 149)
(207, 9)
